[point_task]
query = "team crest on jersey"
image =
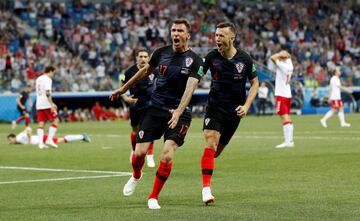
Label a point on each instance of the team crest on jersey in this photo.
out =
(239, 67)
(188, 61)
(141, 134)
(207, 120)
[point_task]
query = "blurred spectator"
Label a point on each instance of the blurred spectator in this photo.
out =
(98, 112)
(64, 115)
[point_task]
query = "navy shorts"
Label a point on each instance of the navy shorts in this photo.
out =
(154, 124)
(225, 123)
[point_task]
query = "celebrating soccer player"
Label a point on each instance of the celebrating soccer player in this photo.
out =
(139, 98)
(227, 103)
(46, 108)
(180, 70)
(335, 100)
(284, 70)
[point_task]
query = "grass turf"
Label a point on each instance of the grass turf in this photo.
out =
(317, 180)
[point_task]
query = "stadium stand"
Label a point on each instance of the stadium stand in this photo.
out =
(92, 42)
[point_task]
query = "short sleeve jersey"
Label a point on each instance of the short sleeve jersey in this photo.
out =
(174, 69)
(142, 90)
(22, 138)
(228, 79)
(335, 84)
(283, 68)
(43, 84)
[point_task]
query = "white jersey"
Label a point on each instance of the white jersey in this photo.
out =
(335, 92)
(43, 84)
(22, 138)
(283, 68)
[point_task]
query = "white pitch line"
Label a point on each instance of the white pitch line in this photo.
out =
(61, 179)
(63, 170)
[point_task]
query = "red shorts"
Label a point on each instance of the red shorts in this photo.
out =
(283, 105)
(336, 104)
(55, 139)
(45, 115)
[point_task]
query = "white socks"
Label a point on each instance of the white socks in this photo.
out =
(328, 115)
(341, 117)
(72, 138)
(40, 133)
(288, 132)
(52, 131)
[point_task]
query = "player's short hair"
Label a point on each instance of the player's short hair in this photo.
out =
(335, 69)
(142, 50)
(49, 69)
(229, 25)
(11, 136)
(183, 21)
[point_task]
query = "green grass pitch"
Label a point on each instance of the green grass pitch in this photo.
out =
(319, 179)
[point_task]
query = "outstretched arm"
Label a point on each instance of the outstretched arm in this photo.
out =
(345, 89)
(143, 72)
(185, 100)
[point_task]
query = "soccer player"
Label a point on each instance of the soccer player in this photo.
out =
(227, 102)
(139, 99)
(335, 99)
(180, 70)
(46, 108)
(21, 106)
(284, 70)
(26, 137)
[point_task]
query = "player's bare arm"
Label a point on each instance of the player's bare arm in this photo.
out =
(185, 100)
(280, 55)
(53, 105)
(143, 72)
(129, 99)
(242, 110)
(348, 90)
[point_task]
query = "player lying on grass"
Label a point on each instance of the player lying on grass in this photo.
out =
(26, 137)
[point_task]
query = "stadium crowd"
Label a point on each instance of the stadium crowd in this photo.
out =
(91, 44)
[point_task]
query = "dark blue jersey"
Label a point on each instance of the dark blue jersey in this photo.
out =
(23, 96)
(142, 90)
(229, 77)
(174, 70)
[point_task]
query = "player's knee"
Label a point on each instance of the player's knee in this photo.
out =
(167, 156)
(211, 140)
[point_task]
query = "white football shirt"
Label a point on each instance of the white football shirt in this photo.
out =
(43, 84)
(283, 68)
(335, 92)
(22, 138)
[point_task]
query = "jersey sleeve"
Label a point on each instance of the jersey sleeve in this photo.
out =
(155, 58)
(48, 84)
(197, 68)
(21, 95)
(251, 68)
(285, 66)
